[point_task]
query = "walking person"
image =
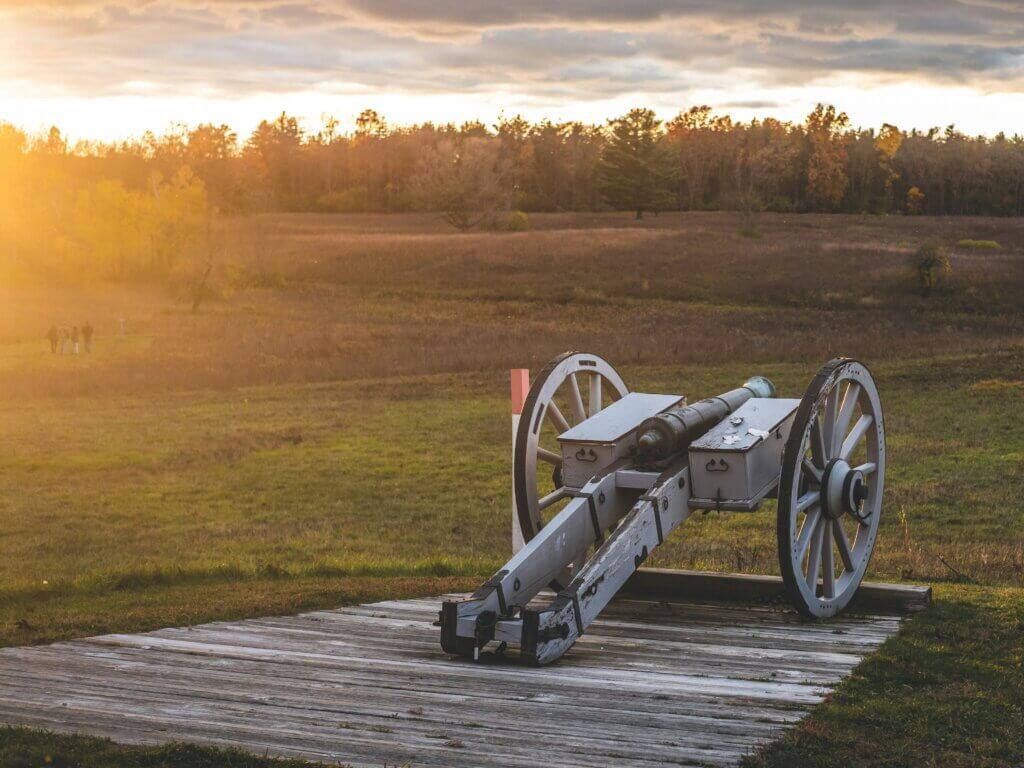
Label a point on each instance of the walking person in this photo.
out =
(87, 336)
(54, 336)
(65, 340)
(74, 339)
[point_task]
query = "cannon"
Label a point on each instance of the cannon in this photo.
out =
(601, 476)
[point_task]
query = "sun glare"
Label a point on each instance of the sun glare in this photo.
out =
(145, 106)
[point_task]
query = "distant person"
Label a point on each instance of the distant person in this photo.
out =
(87, 336)
(74, 339)
(54, 336)
(122, 322)
(65, 340)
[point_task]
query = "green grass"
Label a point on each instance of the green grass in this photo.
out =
(190, 599)
(24, 748)
(130, 514)
(947, 691)
(102, 501)
(251, 460)
(409, 478)
(978, 245)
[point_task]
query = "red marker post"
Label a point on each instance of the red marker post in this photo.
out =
(520, 381)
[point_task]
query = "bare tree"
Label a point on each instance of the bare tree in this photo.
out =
(463, 178)
(196, 285)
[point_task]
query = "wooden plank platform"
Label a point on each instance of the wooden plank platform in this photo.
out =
(652, 684)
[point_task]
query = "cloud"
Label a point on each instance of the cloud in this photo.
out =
(539, 51)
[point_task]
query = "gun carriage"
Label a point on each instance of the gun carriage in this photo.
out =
(602, 475)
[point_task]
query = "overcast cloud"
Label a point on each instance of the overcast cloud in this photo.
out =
(756, 54)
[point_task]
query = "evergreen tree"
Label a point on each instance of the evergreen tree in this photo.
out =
(634, 166)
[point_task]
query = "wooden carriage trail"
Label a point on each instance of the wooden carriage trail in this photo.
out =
(651, 684)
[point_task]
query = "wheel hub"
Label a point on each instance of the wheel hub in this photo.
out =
(843, 490)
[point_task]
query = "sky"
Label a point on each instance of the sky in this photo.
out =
(108, 69)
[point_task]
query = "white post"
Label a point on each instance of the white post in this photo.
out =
(520, 380)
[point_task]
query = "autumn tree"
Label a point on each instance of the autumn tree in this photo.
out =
(549, 181)
(826, 168)
(563, 172)
(180, 213)
(762, 158)
(14, 175)
(211, 152)
(112, 232)
(465, 179)
(584, 145)
(699, 140)
(157, 233)
(1005, 192)
(516, 151)
(273, 154)
(324, 149)
(888, 144)
(59, 204)
(634, 166)
(370, 125)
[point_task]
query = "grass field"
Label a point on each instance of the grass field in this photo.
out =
(329, 425)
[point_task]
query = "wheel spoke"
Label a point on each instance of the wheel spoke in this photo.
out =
(843, 544)
(845, 415)
(576, 399)
(558, 418)
(595, 393)
(828, 566)
(839, 418)
(549, 456)
(808, 499)
(858, 431)
(556, 495)
(818, 453)
(814, 559)
(812, 470)
(551, 401)
(803, 539)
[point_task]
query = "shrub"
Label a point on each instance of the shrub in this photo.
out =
(751, 232)
(517, 221)
(978, 245)
(930, 264)
(353, 200)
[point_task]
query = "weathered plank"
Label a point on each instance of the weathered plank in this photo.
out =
(651, 684)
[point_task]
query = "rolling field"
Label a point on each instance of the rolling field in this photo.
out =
(332, 426)
(304, 298)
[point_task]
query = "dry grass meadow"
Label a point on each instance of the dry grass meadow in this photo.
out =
(329, 336)
(332, 425)
(306, 297)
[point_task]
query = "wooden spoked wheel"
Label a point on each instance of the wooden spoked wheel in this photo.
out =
(830, 491)
(570, 389)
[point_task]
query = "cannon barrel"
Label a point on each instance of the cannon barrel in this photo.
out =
(670, 432)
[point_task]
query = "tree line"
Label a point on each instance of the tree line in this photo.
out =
(132, 206)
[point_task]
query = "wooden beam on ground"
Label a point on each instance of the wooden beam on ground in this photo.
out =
(667, 583)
